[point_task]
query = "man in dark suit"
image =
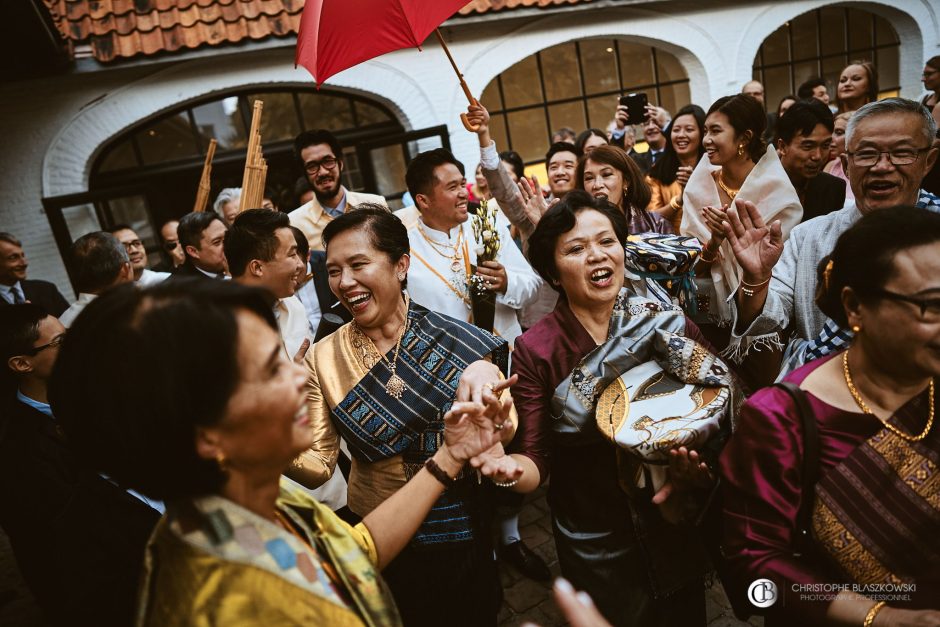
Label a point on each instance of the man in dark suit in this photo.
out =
(202, 236)
(802, 138)
(77, 537)
(16, 289)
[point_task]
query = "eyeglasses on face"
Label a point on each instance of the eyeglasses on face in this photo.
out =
(55, 343)
(134, 243)
(327, 163)
(929, 307)
(866, 158)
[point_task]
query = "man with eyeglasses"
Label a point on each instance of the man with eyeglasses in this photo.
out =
(77, 537)
(16, 289)
(173, 252)
(144, 276)
(889, 148)
(322, 159)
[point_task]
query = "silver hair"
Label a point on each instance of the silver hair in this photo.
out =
(893, 106)
(229, 194)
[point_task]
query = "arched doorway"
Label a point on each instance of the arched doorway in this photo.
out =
(821, 43)
(577, 84)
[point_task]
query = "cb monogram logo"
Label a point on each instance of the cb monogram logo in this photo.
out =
(762, 593)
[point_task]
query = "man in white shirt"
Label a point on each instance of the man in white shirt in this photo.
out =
(138, 255)
(261, 252)
(322, 159)
(443, 248)
(201, 235)
(97, 262)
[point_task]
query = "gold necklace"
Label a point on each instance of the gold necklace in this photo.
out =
(861, 404)
(731, 192)
(455, 260)
(395, 386)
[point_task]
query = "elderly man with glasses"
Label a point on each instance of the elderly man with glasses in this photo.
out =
(889, 149)
(322, 159)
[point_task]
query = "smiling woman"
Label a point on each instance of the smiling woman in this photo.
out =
(385, 382)
(603, 532)
(233, 532)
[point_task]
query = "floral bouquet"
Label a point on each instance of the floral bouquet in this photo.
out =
(486, 236)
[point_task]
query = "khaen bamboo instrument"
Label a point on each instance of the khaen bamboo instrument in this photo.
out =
(202, 194)
(256, 168)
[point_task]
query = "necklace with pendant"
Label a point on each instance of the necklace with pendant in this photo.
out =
(731, 192)
(395, 386)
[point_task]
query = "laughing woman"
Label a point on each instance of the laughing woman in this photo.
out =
(614, 541)
(384, 382)
(609, 173)
(236, 545)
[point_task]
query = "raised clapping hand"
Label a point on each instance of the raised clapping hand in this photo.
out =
(535, 205)
(714, 219)
(757, 247)
(686, 472)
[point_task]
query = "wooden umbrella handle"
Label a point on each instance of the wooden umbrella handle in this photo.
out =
(463, 83)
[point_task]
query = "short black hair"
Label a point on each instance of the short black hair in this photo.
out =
(19, 330)
(121, 226)
(863, 258)
(386, 231)
(744, 113)
(583, 136)
(189, 232)
(96, 261)
(562, 218)
(802, 117)
(419, 178)
(314, 137)
(303, 246)
(181, 332)
(560, 147)
(805, 91)
(253, 235)
(514, 159)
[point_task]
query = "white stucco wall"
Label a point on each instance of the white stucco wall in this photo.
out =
(54, 128)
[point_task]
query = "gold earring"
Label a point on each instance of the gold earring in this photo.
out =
(740, 150)
(856, 329)
(221, 460)
(401, 277)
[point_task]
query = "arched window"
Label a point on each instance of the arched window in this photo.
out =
(577, 84)
(150, 173)
(822, 43)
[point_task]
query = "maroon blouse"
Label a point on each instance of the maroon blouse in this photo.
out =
(762, 488)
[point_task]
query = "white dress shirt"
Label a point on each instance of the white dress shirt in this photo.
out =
(433, 283)
(292, 323)
(311, 302)
(6, 292)
(149, 277)
(69, 315)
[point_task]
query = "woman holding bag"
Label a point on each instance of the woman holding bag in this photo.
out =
(614, 539)
(875, 522)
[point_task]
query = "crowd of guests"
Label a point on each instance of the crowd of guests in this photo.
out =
(302, 417)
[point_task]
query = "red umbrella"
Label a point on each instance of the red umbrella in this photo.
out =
(337, 34)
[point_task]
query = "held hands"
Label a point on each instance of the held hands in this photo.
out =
(686, 472)
(714, 219)
(494, 276)
(757, 247)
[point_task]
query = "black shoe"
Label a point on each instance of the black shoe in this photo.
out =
(525, 561)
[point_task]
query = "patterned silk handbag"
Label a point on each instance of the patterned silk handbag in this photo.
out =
(668, 260)
(681, 397)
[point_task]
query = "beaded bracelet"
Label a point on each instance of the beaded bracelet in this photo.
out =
(438, 473)
(505, 484)
(749, 289)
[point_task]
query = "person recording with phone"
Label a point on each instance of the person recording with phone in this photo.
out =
(636, 108)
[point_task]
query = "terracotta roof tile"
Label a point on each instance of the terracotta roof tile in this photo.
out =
(126, 28)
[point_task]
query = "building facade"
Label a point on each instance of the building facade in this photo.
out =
(120, 136)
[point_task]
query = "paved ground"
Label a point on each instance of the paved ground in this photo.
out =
(525, 600)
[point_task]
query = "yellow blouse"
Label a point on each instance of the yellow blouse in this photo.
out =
(662, 194)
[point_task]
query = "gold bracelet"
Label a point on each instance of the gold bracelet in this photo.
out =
(676, 203)
(743, 282)
(872, 613)
(702, 256)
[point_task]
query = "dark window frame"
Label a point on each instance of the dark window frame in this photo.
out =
(655, 87)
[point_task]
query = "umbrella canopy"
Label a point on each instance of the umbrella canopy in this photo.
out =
(338, 34)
